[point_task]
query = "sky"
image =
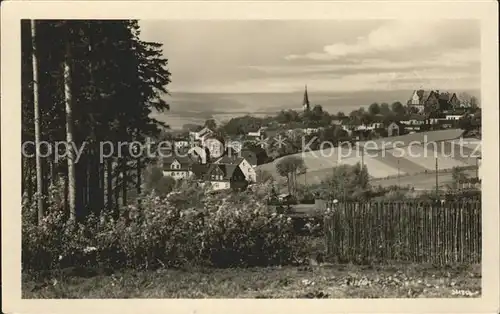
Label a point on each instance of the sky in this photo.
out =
(248, 56)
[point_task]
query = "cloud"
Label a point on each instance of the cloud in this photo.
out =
(398, 36)
(328, 55)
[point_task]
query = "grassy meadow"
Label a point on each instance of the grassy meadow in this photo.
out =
(417, 159)
(325, 281)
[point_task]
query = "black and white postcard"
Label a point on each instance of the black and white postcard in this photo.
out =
(196, 156)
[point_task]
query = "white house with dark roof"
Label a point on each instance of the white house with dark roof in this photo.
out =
(246, 168)
(225, 176)
(178, 167)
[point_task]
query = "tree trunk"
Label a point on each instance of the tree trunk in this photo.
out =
(24, 178)
(116, 191)
(109, 184)
(124, 181)
(69, 134)
(139, 173)
(95, 197)
(102, 184)
(36, 108)
(29, 183)
(53, 173)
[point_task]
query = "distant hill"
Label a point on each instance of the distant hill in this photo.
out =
(198, 107)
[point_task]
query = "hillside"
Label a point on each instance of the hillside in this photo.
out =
(410, 157)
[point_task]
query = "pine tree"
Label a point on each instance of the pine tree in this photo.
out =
(36, 110)
(103, 91)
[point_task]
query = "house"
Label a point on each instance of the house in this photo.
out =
(394, 129)
(453, 117)
(181, 143)
(369, 127)
(200, 171)
(215, 146)
(433, 100)
(246, 168)
(233, 146)
(309, 131)
(250, 156)
(416, 103)
(446, 124)
(260, 154)
(448, 101)
(178, 167)
(199, 153)
(225, 176)
(422, 100)
(349, 127)
(414, 120)
(255, 131)
(201, 135)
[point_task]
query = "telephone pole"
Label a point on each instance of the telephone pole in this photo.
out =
(477, 167)
(362, 157)
(437, 182)
(398, 174)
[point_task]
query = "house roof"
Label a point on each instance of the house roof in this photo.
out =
(227, 170)
(205, 131)
(422, 95)
(399, 124)
(200, 170)
(185, 161)
(230, 160)
(250, 156)
(230, 151)
(213, 136)
(445, 96)
(253, 128)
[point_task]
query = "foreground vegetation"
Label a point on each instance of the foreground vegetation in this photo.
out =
(328, 281)
(187, 227)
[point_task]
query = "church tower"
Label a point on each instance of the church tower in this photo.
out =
(305, 103)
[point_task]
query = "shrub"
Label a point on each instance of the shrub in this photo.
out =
(212, 230)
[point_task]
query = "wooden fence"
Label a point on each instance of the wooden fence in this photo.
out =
(405, 231)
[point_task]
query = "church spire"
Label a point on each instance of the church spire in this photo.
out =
(305, 103)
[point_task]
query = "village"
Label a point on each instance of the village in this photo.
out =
(229, 161)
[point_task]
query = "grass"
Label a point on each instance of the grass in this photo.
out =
(383, 164)
(421, 181)
(327, 281)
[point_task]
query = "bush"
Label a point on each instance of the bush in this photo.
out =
(216, 230)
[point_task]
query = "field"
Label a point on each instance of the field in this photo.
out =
(416, 159)
(326, 281)
(423, 181)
